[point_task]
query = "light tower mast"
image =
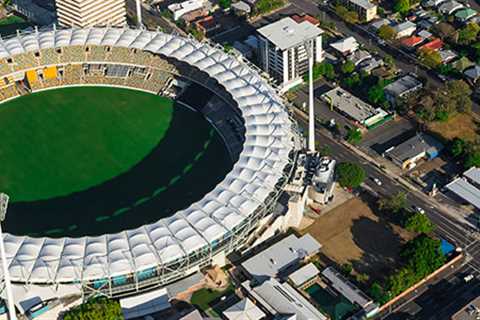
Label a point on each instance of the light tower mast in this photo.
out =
(6, 275)
(139, 14)
(311, 108)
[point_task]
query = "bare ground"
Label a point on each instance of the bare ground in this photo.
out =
(353, 233)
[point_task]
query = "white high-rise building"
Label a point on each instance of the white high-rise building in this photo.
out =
(283, 52)
(88, 13)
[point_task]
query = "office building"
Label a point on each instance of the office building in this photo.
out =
(89, 13)
(283, 50)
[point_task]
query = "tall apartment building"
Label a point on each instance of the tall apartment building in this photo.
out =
(88, 13)
(283, 53)
(366, 10)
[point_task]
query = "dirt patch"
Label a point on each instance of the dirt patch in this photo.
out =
(460, 126)
(353, 233)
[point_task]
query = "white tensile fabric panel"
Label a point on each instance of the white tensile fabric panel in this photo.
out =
(260, 165)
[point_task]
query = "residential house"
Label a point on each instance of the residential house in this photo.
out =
(405, 29)
(402, 88)
(449, 7)
(345, 46)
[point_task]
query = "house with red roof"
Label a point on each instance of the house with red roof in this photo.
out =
(435, 45)
(411, 42)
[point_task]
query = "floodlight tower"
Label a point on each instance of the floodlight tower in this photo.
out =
(311, 108)
(6, 275)
(139, 14)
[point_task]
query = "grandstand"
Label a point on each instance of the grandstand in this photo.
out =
(246, 111)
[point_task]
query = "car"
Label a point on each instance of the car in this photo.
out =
(468, 278)
(419, 209)
(377, 181)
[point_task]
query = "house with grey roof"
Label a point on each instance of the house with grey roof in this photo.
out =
(402, 88)
(407, 154)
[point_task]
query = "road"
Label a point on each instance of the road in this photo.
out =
(446, 228)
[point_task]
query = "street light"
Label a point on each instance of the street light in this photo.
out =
(6, 275)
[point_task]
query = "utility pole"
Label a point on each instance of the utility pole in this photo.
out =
(311, 108)
(6, 275)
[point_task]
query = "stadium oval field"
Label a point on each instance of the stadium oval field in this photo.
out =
(76, 138)
(255, 123)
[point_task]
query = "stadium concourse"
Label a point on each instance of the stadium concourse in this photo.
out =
(200, 235)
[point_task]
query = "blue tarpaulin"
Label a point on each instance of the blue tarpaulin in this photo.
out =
(446, 247)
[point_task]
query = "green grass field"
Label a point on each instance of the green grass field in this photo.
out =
(61, 141)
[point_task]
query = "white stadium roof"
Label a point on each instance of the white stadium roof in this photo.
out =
(260, 166)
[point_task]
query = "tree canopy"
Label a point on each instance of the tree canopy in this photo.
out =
(99, 308)
(348, 67)
(430, 58)
(394, 203)
(350, 175)
(386, 32)
(468, 34)
(354, 135)
(418, 222)
(402, 6)
(421, 256)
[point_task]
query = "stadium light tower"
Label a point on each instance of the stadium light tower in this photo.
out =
(311, 108)
(139, 14)
(6, 275)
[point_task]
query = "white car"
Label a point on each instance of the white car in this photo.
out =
(377, 181)
(420, 210)
(468, 278)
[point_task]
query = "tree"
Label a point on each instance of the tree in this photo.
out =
(402, 6)
(457, 147)
(459, 91)
(322, 69)
(350, 175)
(472, 159)
(264, 6)
(418, 222)
(395, 203)
(468, 34)
(225, 4)
(352, 17)
(345, 14)
(423, 255)
(389, 61)
(378, 293)
(354, 135)
(325, 151)
(376, 93)
(352, 81)
(348, 67)
(98, 308)
(430, 58)
(386, 32)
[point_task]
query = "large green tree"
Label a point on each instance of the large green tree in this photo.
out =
(423, 255)
(418, 222)
(468, 34)
(350, 175)
(430, 58)
(402, 6)
(348, 67)
(99, 308)
(386, 32)
(394, 203)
